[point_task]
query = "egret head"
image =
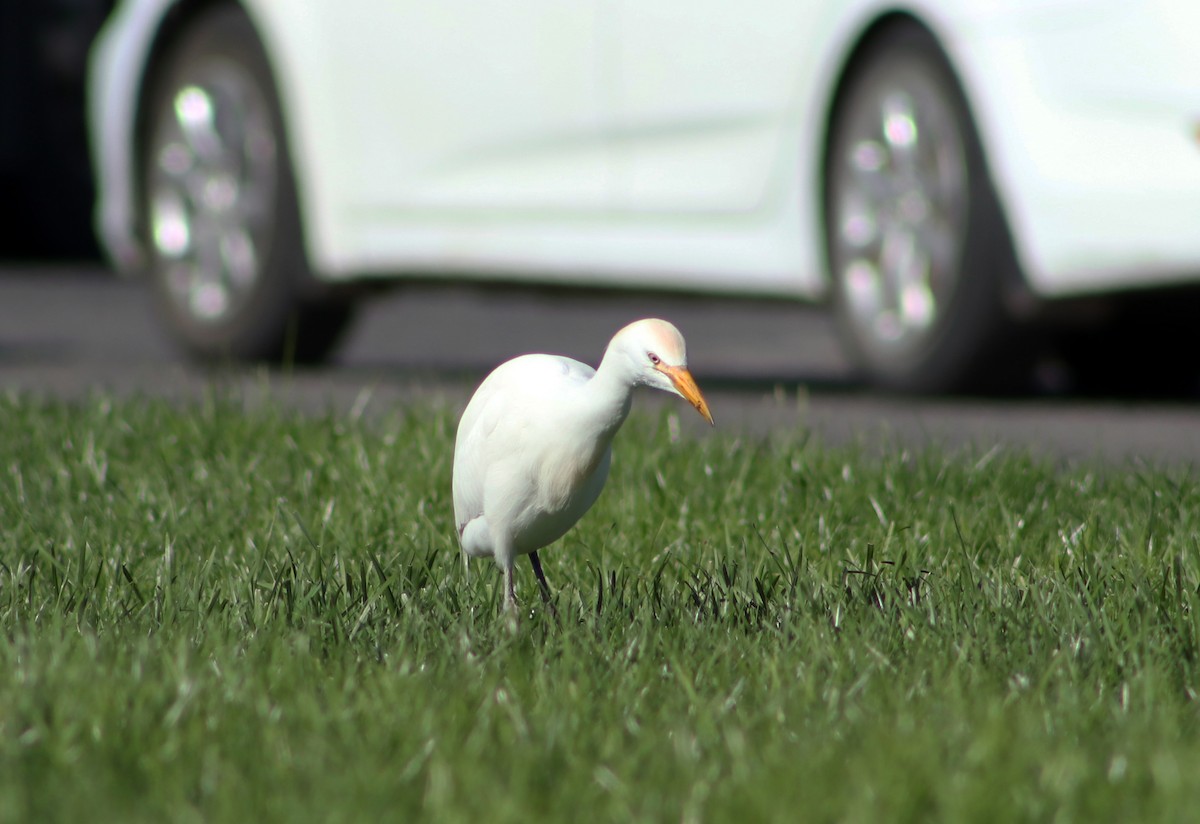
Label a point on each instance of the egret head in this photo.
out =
(657, 356)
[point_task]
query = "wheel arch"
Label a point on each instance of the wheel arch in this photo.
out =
(171, 27)
(870, 32)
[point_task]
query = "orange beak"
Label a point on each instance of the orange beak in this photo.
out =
(686, 385)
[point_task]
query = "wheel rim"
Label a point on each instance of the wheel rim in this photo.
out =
(212, 181)
(899, 202)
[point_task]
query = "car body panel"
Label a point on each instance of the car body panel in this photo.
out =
(1089, 126)
(663, 145)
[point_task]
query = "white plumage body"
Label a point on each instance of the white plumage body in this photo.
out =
(534, 444)
(533, 460)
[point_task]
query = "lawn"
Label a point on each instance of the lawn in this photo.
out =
(217, 612)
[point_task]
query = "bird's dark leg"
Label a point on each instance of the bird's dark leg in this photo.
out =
(510, 597)
(536, 563)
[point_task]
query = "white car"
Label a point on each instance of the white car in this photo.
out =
(939, 170)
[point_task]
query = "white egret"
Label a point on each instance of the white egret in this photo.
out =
(534, 443)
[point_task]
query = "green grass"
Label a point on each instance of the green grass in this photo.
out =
(214, 613)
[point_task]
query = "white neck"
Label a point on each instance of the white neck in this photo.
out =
(610, 393)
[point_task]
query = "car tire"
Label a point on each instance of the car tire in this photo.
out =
(918, 252)
(221, 224)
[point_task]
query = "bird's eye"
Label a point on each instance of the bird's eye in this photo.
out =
(654, 359)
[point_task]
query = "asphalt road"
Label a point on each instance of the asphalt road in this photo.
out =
(765, 367)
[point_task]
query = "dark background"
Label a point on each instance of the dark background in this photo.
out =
(46, 190)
